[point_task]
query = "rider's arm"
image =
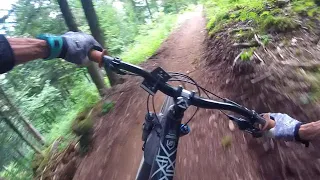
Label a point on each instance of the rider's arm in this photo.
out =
(27, 49)
(310, 131)
(290, 129)
(72, 46)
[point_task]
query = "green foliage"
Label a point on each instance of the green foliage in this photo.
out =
(31, 15)
(278, 23)
(86, 96)
(245, 16)
(257, 12)
(175, 6)
(314, 79)
(247, 54)
(83, 123)
(216, 15)
(107, 107)
(265, 39)
(150, 38)
(16, 172)
(118, 29)
(245, 35)
(306, 7)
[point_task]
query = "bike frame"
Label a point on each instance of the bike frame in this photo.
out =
(161, 149)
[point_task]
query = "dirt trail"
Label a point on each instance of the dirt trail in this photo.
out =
(116, 150)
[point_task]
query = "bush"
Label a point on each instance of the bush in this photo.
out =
(306, 8)
(85, 96)
(278, 24)
(107, 106)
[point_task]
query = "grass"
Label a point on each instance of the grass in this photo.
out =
(247, 54)
(314, 79)
(149, 40)
(220, 13)
(107, 107)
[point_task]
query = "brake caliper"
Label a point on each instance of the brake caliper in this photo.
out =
(147, 125)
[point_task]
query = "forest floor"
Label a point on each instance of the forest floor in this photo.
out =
(116, 149)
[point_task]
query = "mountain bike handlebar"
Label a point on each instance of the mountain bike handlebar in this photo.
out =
(115, 64)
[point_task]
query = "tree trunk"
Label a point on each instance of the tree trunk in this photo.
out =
(96, 32)
(16, 130)
(92, 68)
(30, 128)
(86, 76)
(96, 77)
(147, 4)
(67, 15)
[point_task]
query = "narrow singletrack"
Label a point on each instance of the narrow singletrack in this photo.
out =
(116, 150)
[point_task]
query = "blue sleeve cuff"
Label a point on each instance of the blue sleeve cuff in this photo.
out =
(55, 44)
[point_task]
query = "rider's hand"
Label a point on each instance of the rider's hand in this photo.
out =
(285, 127)
(77, 45)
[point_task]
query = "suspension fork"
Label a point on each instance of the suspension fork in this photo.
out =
(163, 165)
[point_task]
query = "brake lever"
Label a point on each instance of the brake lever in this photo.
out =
(255, 117)
(246, 126)
(115, 61)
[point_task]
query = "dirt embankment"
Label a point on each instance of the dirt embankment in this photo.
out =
(277, 82)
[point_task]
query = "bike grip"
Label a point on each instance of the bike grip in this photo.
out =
(97, 56)
(269, 123)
